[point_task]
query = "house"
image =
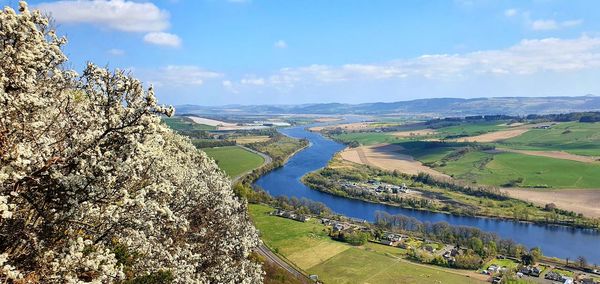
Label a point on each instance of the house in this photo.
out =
(567, 280)
(387, 242)
(535, 271)
(448, 256)
(554, 276)
(291, 215)
(302, 218)
(338, 227)
(393, 237)
(496, 280)
(429, 248)
(531, 271)
(588, 281)
(493, 269)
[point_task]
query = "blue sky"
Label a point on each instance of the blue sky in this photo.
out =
(215, 52)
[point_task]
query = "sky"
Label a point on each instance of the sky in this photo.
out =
(219, 52)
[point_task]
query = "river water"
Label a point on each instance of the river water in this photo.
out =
(555, 241)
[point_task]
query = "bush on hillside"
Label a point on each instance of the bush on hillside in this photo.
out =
(93, 188)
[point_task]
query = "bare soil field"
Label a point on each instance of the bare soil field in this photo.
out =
(584, 201)
(387, 157)
(207, 121)
(555, 154)
(346, 126)
(493, 136)
(242, 127)
(327, 119)
(421, 132)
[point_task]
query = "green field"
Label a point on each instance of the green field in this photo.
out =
(279, 147)
(367, 138)
(462, 130)
(531, 171)
(470, 129)
(573, 137)
(184, 124)
(234, 160)
(308, 246)
(359, 266)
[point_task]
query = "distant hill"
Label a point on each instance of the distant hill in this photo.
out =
(433, 107)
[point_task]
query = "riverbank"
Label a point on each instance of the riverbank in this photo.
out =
(484, 216)
(310, 248)
(421, 248)
(351, 180)
(285, 181)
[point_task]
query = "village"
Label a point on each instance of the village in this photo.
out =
(544, 271)
(375, 186)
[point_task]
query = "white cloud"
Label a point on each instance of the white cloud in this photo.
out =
(116, 52)
(177, 75)
(162, 38)
(546, 25)
(571, 23)
(228, 85)
(121, 15)
(280, 44)
(525, 58)
(543, 25)
(510, 12)
(253, 81)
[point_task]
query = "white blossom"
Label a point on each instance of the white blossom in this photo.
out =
(86, 169)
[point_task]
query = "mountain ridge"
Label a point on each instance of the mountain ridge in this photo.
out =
(430, 107)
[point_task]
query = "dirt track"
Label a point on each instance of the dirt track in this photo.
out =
(584, 201)
(386, 156)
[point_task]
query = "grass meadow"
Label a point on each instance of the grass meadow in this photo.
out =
(573, 137)
(234, 160)
(523, 170)
(368, 138)
(308, 246)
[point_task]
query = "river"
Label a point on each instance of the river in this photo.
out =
(556, 241)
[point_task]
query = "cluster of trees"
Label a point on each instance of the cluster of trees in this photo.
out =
(479, 190)
(94, 188)
(355, 238)
(564, 117)
(209, 143)
(482, 243)
(453, 121)
(302, 205)
(258, 195)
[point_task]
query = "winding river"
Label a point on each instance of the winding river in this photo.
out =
(555, 241)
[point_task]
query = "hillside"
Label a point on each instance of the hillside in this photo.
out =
(432, 107)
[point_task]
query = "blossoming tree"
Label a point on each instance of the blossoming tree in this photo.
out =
(93, 188)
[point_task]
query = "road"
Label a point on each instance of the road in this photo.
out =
(273, 258)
